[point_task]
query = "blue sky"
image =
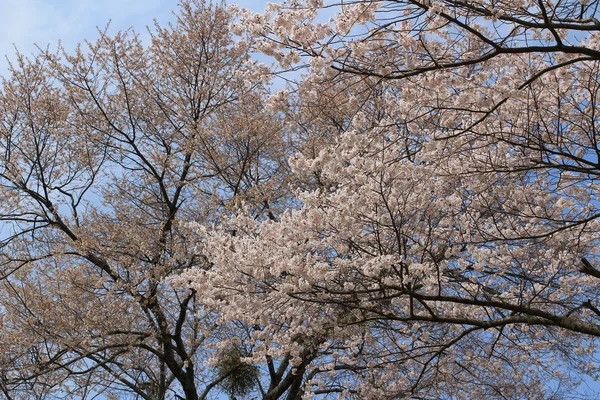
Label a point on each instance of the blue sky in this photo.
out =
(25, 23)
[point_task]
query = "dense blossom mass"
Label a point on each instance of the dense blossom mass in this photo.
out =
(414, 215)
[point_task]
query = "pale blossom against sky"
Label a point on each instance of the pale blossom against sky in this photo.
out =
(25, 23)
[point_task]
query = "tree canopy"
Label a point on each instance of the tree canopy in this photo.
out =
(415, 215)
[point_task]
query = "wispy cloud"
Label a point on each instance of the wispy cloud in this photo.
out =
(27, 23)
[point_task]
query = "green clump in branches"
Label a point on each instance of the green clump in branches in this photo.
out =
(240, 377)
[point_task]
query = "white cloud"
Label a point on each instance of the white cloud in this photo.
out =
(27, 23)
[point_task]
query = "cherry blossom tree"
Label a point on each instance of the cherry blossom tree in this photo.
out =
(446, 245)
(105, 152)
(437, 238)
